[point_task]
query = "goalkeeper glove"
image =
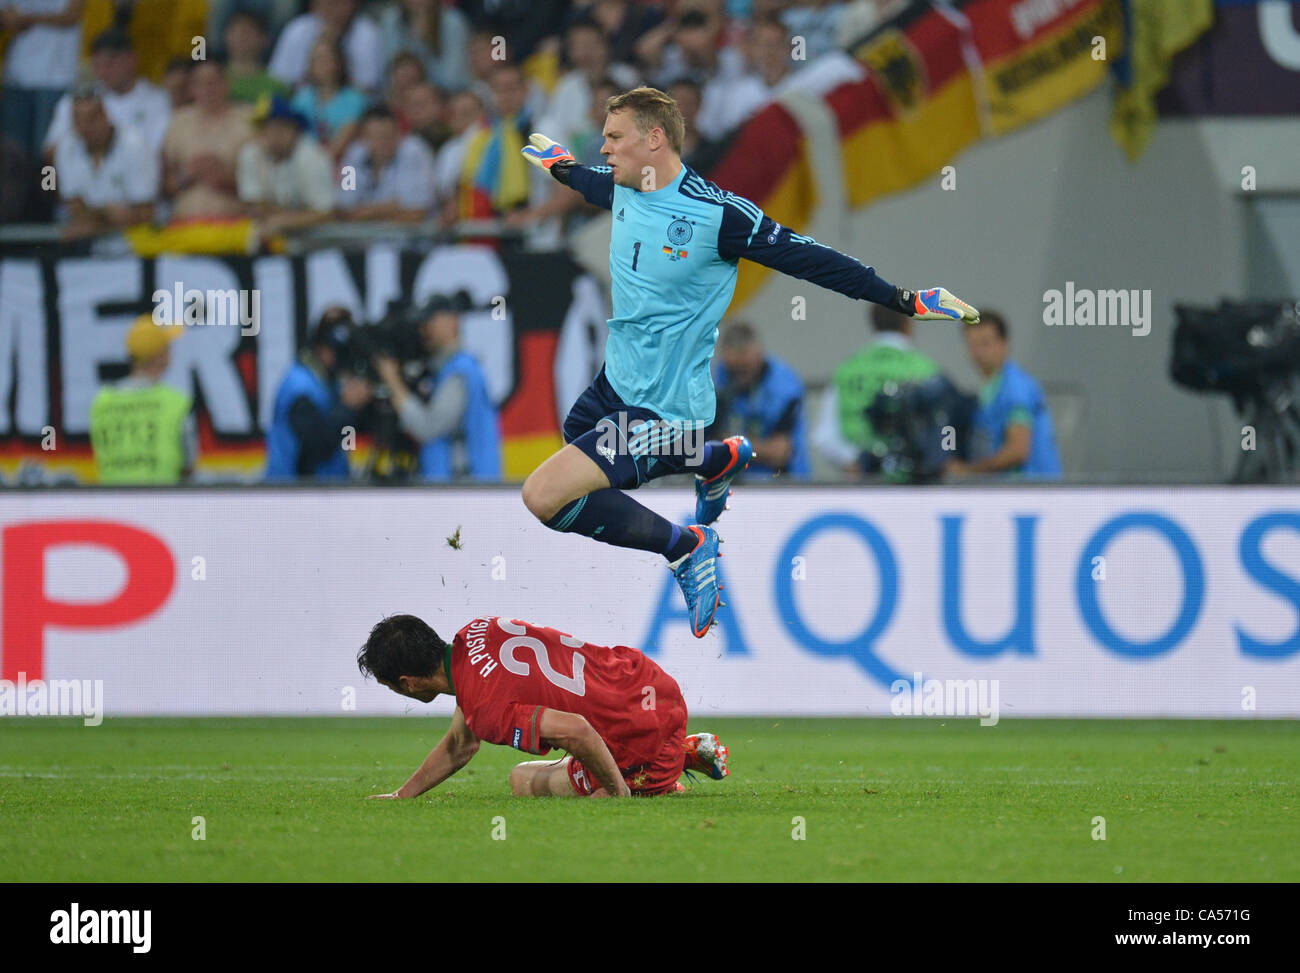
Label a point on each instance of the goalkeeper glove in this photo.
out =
(939, 304)
(549, 156)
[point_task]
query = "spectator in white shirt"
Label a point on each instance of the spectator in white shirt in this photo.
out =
(436, 33)
(728, 89)
(697, 47)
(554, 201)
(107, 175)
(466, 116)
(176, 82)
(273, 14)
(587, 53)
(404, 72)
(487, 55)
(357, 33)
(40, 64)
(131, 102)
(697, 152)
(770, 49)
(386, 176)
(283, 173)
(424, 106)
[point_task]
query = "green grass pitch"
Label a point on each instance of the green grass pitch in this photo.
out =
(880, 799)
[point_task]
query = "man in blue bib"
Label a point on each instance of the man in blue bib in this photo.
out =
(1013, 431)
(673, 255)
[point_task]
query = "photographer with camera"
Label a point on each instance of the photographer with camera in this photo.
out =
(450, 413)
(762, 397)
(318, 398)
(844, 433)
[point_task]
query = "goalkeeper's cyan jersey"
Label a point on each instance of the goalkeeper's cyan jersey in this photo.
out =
(672, 259)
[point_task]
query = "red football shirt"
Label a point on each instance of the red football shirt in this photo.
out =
(506, 673)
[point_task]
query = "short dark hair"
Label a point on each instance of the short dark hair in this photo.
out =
(887, 319)
(995, 320)
(583, 20)
(606, 82)
(244, 13)
(215, 59)
(686, 81)
(379, 113)
(113, 39)
(509, 67)
(401, 645)
(402, 57)
(770, 20)
(334, 329)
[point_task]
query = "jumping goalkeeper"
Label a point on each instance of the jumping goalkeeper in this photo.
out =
(673, 250)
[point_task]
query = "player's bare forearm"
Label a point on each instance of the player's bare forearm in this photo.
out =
(596, 756)
(572, 732)
(454, 751)
(437, 767)
(1013, 454)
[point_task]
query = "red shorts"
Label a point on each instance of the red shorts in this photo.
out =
(646, 780)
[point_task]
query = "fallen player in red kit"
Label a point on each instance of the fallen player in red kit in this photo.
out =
(621, 718)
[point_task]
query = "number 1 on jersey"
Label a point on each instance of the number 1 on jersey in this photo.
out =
(636, 253)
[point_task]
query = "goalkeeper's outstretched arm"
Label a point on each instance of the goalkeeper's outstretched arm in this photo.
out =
(750, 233)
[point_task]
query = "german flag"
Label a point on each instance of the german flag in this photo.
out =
(1032, 67)
(916, 110)
(766, 161)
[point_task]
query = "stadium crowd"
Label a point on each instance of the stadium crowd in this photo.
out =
(224, 125)
(198, 114)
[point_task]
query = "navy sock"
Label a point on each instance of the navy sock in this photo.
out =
(683, 543)
(716, 458)
(615, 518)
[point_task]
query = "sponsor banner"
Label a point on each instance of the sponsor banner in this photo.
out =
(537, 329)
(995, 603)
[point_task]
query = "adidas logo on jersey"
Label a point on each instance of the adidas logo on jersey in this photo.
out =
(606, 452)
(620, 216)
